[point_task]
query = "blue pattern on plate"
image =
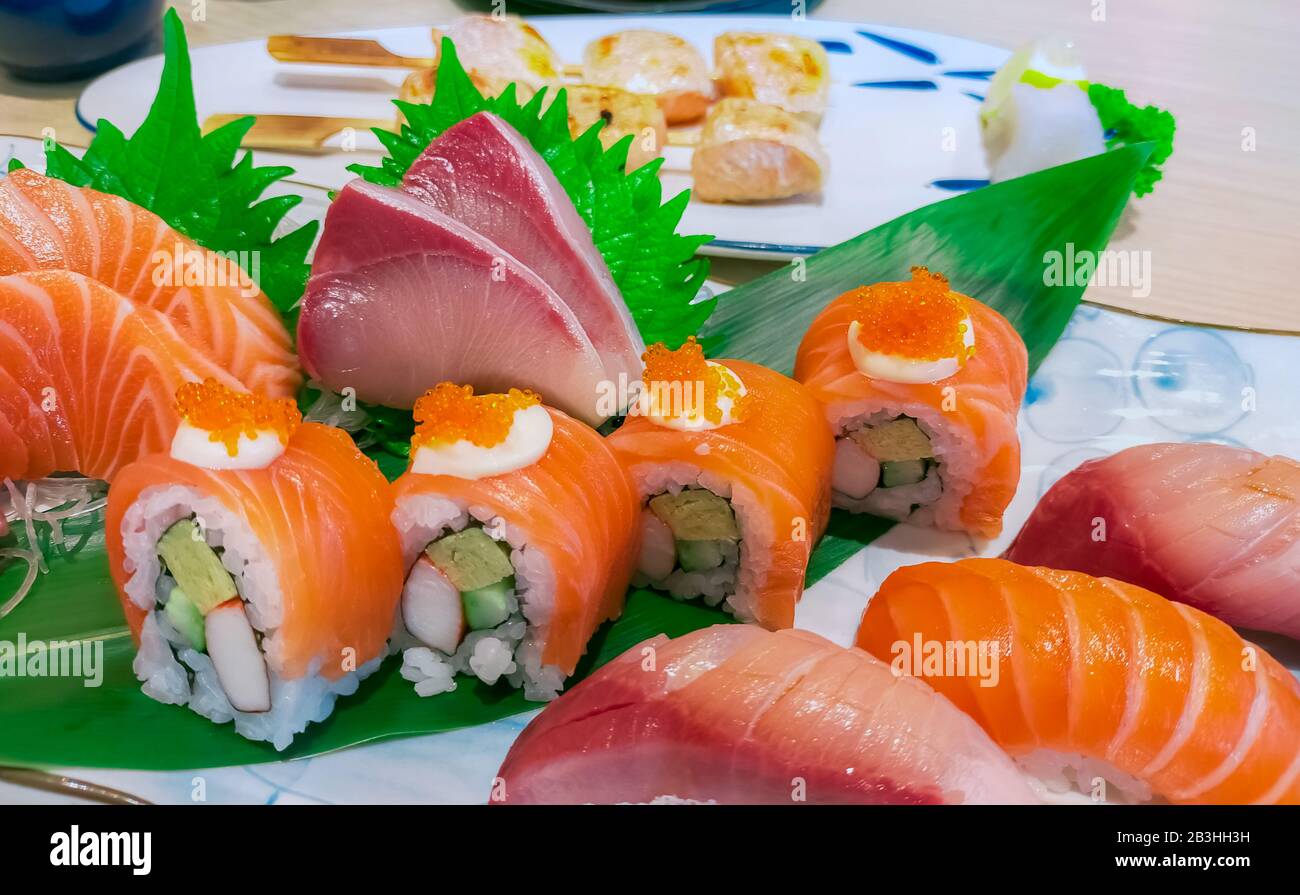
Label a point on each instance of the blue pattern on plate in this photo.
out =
(975, 96)
(920, 54)
(974, 74)
(959, 185)
(836, 46)
(901, 84)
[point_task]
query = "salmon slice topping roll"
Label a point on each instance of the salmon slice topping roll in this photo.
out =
(732, 463)
(47, 224)
(256, 563)
(87, 376)
(922, 386)
(733, 714)
(519, 534)
(1093, 684)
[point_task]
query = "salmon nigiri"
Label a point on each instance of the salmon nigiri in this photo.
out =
(255, 562)
(86, 376)
(1132, 691)
(921, 385)
(733, 462)
(1208, 525)
(47, 224)
(735, 714)
(519, 528)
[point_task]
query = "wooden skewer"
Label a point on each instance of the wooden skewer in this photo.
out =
(341, 51)
(295, 133)
(357, 51)
(308, 133)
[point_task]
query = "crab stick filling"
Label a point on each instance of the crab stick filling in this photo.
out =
(224, 429)
(473, 436)
(911, 332)
(683, 390)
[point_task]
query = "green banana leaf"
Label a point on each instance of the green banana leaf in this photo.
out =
(990, 242)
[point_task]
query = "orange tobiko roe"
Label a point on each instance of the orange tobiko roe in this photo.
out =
(922, 319)
(227, 414)
(686, 365)
(448, 413)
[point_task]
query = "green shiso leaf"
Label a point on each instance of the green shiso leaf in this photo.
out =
(1127, 124)
(193, 181)
(635, 231)
(993, 243)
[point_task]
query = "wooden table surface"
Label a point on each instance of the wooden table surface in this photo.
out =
(1221, 230)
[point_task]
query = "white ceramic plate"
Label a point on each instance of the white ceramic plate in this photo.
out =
(901, 126)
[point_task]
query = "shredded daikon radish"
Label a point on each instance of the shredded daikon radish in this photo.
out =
(329, 409)
(50, 501)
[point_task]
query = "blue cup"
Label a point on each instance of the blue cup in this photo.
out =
(59, 40)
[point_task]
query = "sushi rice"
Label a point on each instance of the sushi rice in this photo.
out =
(513, 649)
(171, 670)
(744, 568)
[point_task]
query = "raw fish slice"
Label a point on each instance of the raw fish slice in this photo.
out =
(735, 714)
(87, 377)
(48, 224)
(403, 297)
(483, 173)
(1212, 526)
(1156, 698)
(321, 511)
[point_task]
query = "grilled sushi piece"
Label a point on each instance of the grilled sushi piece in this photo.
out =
(1095, 684)
(778, 69)
(503, 49)
(623, 113)
(750, 151)
(660, 65)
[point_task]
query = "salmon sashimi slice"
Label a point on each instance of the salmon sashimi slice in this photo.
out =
(737, 714)
(1212, 526)
(87, 377)
(574, 511)
(1136, 693)
(48, 224)
(971, 415)
(775, 462)
(321, 513)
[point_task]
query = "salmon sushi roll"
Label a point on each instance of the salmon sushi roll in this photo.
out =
(518, 529)
(1093, 684)
(256, 564)
(732, 462)
(921, 386)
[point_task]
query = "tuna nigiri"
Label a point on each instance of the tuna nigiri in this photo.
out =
(255, 562)
(1212, 526)
(86, 376)
(519, 531)
(733, 464)
(1136, 696)
(46, 224)
(735, 714)
(921, 385)
(402, 297)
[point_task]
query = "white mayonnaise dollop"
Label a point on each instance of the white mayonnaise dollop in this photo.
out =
(896, 368)
(196, 447)
(530, 435)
